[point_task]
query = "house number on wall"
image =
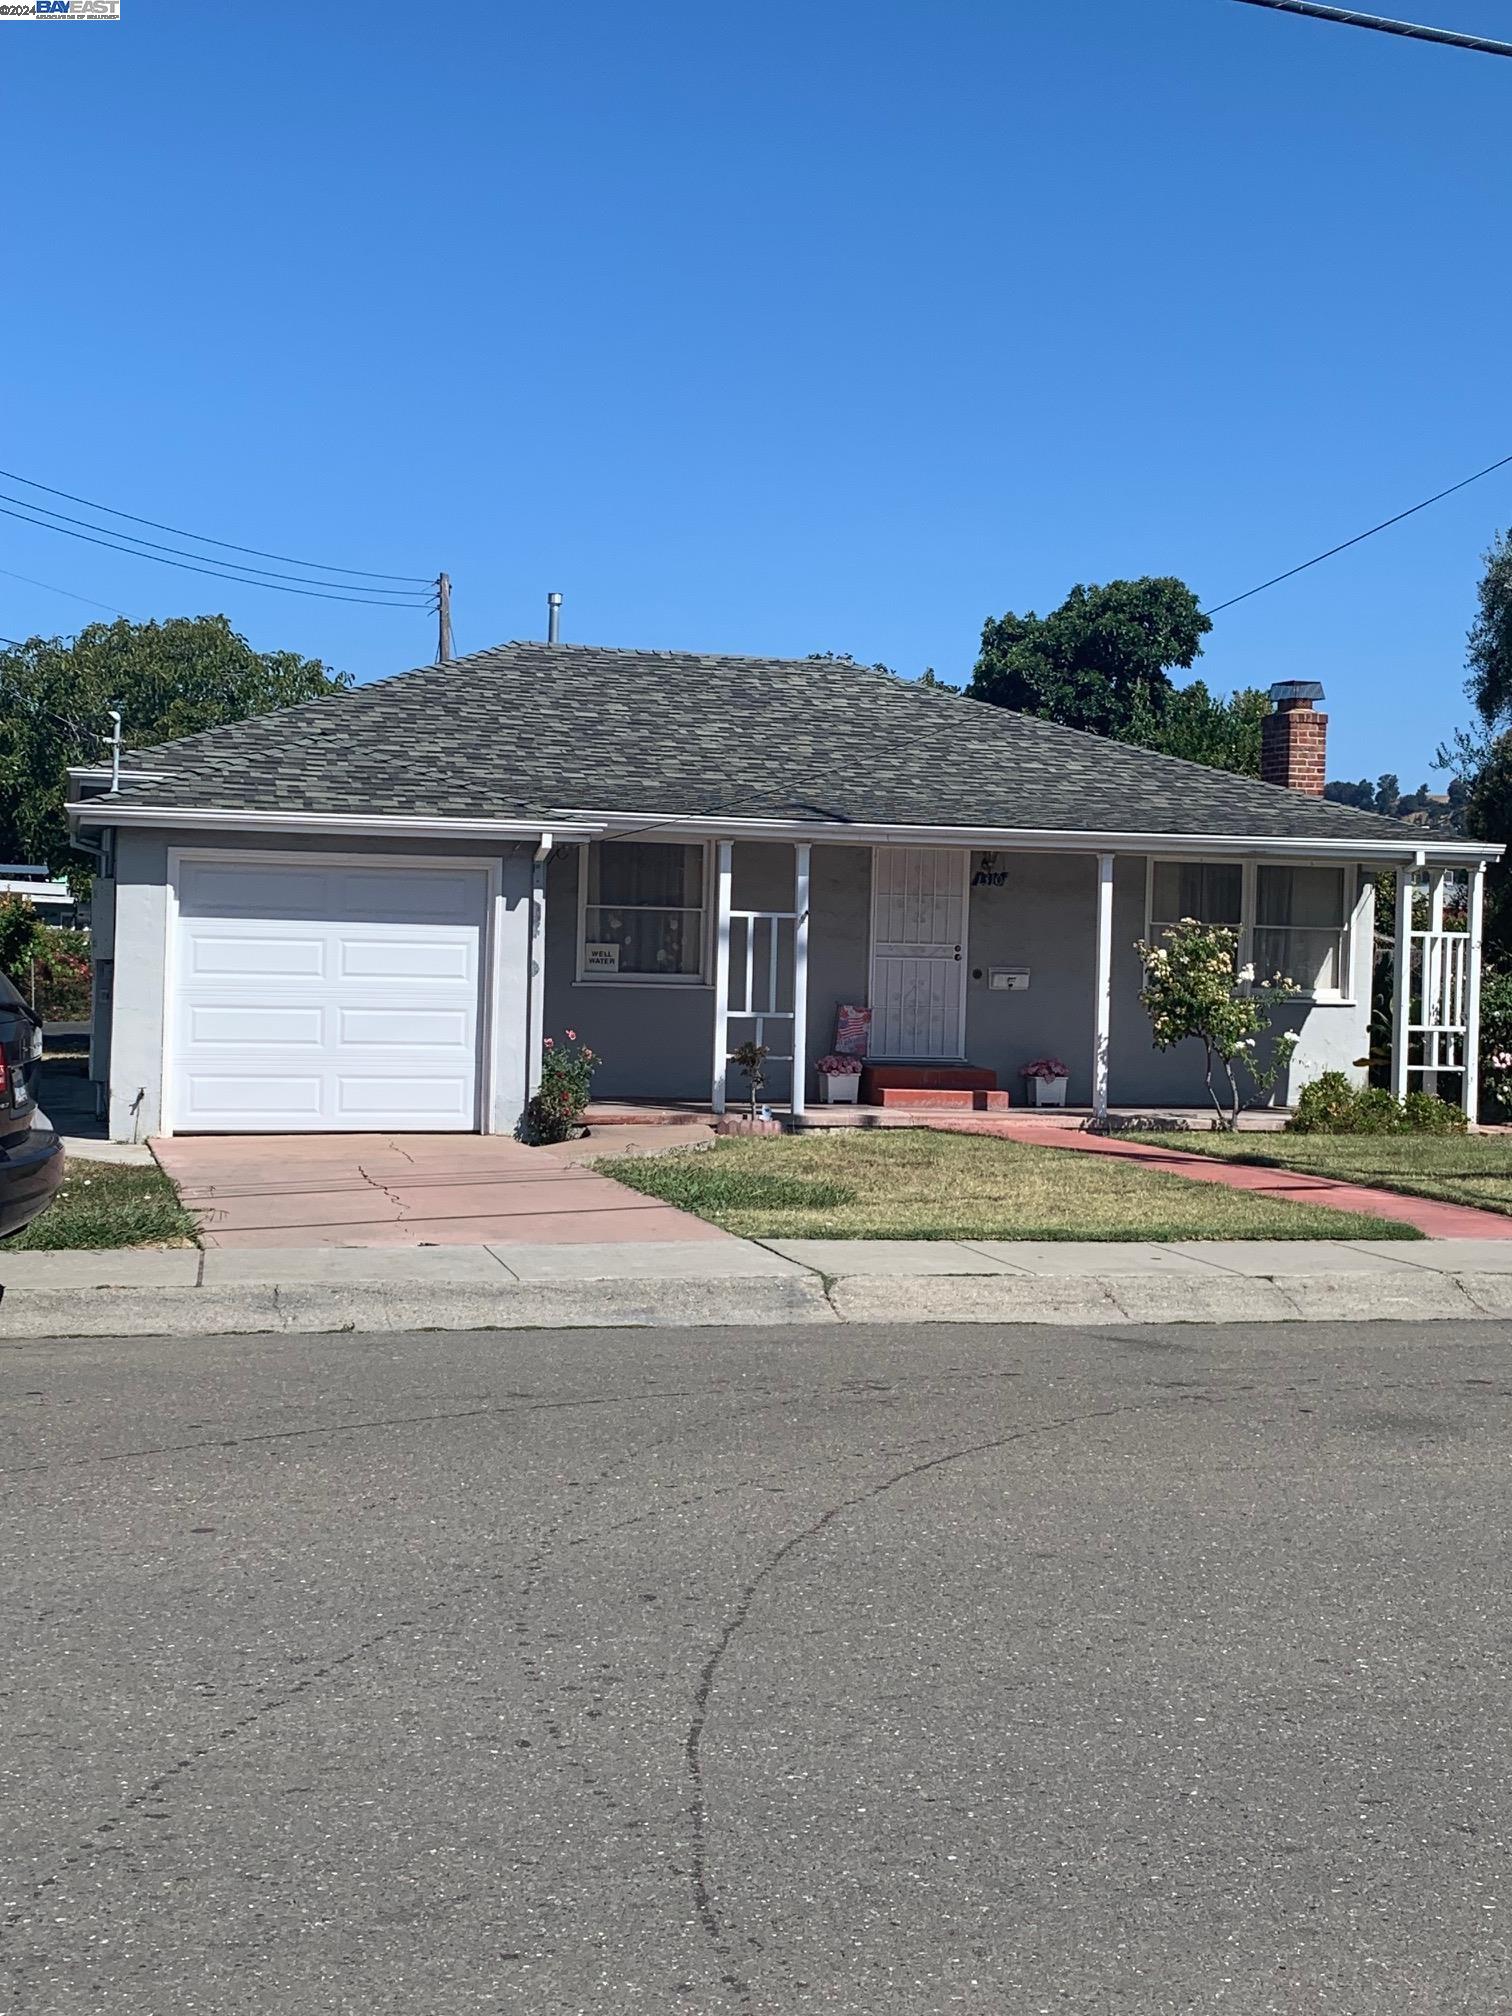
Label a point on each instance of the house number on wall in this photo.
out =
(988, 875)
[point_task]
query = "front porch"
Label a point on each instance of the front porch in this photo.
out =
(668, 956)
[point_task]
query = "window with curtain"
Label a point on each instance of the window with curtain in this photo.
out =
(643, 911)
(1211, 892)
(1302, 927)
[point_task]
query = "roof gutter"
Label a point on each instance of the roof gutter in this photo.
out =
(1412, 847)
(586, 825)
(92, 812)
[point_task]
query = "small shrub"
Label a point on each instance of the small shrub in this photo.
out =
(1326, 1106)
(1423, 1114)
(751, 1058)
(1331, 1105)
(557, 1110)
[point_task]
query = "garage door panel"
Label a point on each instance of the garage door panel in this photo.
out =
(259, 1101)
(257, 956)
(326, 997)
(426, 1029)
(209, 1022)
(367, 894)
(381, 1099)
(406, 959)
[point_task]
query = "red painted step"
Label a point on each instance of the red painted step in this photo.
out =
(932, 1099)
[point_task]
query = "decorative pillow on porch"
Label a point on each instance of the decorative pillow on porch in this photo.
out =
(852, 1031)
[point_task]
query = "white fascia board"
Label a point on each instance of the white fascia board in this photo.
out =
(109, 811)
(1033, 840)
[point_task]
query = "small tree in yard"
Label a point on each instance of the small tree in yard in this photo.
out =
(1195, 988)
(751, 1058)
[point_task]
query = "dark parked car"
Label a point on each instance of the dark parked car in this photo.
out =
(31, 1155)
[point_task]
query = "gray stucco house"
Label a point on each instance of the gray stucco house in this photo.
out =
(369, 911)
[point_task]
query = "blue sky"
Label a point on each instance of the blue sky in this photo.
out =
(773, 329)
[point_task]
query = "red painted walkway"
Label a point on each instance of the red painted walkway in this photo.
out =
(1290, 1186)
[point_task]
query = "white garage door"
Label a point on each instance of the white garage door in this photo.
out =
(316, 997)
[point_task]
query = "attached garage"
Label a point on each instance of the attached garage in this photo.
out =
(325, 993)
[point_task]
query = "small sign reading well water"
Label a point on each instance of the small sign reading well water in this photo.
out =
(601, 958)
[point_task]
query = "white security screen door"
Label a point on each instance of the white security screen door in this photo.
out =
(316, 996)
(919, 951)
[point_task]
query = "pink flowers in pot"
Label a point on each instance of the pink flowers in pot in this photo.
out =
(837, 1065)
(1047, 1069)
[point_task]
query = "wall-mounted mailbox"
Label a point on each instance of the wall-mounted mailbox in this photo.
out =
(1008, 979)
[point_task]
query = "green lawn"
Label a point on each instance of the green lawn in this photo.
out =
(103, 1204)
(1455, 1168)
(916, 1184)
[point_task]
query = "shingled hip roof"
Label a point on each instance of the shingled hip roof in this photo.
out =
(534, 732)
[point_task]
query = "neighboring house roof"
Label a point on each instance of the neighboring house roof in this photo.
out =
(534, 731)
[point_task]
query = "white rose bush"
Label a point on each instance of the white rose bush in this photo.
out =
(1195, 990)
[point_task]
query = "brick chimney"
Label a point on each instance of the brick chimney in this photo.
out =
(1294, 737)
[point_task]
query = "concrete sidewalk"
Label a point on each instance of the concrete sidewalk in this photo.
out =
(703, 1282)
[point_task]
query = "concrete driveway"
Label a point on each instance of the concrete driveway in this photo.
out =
(732, 1673)
(405, 1190)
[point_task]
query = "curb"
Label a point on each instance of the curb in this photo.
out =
(807, 1299)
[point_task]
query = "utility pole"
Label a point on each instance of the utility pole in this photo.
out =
(443, 615)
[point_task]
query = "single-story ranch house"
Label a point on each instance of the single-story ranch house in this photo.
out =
(370, 911)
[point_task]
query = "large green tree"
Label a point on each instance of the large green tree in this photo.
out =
(1103, 662)
(168, 679)
(1104, 654)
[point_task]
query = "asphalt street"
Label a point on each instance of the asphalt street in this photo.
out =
(904, 1670)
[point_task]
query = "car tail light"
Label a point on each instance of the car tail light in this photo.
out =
(4, 1079)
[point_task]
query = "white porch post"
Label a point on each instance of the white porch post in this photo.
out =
(535, 991)
(1401, 989)
(1103, 1005)
(1435, 1000)
(721, 976)
(801, 853)
(1474, 925)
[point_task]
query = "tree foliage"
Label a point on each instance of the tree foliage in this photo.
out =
(1104, 653)
(168, 679)
(1488, 648)
(1488, 816)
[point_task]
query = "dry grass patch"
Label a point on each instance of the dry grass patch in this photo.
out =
(916, 1184)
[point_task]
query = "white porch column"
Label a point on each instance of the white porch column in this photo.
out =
(1401, 979)
(721, 975)
(1103, 1000)
(801, 853)
(535, 993)
(1434, 996)
(1474, 924)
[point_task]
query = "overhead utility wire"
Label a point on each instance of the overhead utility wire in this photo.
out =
(156, 546)
(216, 573)
(1349, 18)
(203, 539)
(53, 589)
(1345, 544)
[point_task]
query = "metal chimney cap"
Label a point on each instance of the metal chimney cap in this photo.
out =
(1293, 690)
(555, 600)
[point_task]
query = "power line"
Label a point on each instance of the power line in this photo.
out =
(1349, 18)
(1345, 544)
(53, 589)
(155, 546)
(215, 573)
(203, 539)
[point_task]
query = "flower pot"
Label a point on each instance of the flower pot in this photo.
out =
(839, 1088)
(1046, 1091)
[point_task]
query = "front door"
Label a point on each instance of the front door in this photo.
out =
(919, 951)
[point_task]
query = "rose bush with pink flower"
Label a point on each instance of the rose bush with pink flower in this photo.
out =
(557, 1109)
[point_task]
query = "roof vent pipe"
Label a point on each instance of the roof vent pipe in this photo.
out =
(553, 618)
